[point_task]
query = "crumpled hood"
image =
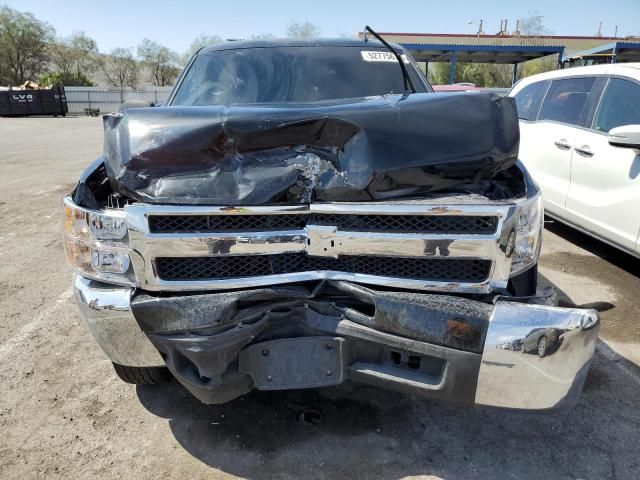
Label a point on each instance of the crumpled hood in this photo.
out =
(347, 150)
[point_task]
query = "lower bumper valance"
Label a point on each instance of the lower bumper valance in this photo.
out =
(222, 345)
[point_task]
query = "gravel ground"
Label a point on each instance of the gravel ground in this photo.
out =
(64, 414)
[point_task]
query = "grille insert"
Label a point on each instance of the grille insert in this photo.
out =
(410, 223)
(452, 224)
(217, 223)
(236, 266)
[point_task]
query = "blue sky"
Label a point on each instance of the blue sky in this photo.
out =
(119, 23)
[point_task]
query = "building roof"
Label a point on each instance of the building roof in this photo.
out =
(473, 36)
(572, 43)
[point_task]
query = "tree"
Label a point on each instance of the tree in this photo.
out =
(162, 62)
(480, 74)
(77, 53)
(303, 30)
(70, 79)
(531, 29)
(200, 41)
(539, 65)
(120, 68)
(84, 52)
(438, 73)
(75, 58)
(23, 46)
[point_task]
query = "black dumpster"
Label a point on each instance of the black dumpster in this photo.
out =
(50, 101)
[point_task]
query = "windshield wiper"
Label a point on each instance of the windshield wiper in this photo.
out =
(408, 84)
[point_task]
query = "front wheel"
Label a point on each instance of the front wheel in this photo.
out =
(143, 375)
(542, 347)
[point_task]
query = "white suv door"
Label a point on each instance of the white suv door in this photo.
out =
(604, 191)
(546, 141)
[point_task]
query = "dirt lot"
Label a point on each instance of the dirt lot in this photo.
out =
(64, 414)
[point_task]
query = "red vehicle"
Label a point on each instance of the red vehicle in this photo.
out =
(456, 87)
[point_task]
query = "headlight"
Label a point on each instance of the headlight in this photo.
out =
(526, 239)
(96, 243)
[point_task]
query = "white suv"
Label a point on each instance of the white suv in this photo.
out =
(580, 139)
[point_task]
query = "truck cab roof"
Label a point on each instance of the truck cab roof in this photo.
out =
(296, 42)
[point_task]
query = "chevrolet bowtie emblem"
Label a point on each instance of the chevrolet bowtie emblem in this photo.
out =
(321, 241)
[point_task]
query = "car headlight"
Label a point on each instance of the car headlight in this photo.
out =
(526, 238)
(97, 243)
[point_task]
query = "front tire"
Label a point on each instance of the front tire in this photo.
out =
(543, 345)
(143, 375)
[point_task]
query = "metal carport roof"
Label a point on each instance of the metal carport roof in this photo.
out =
(480, 53)
(509, 54)
(614, 51)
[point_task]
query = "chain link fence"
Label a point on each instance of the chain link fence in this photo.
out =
(82, 99)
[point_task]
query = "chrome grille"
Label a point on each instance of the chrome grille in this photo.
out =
(237, 266)
(454, 224)
(413, 244)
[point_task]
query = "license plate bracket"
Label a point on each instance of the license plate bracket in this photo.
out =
(291, 363)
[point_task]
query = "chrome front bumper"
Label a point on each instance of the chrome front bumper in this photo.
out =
(107, 311)
(511, 375)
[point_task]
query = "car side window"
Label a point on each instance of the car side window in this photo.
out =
(528, 100)
(566, 100)
(620, 105)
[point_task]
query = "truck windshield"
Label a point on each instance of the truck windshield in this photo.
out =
(292, 74)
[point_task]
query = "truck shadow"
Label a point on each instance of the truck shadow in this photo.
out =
(358, 431)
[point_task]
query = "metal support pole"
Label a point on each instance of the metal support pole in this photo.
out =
(452, 69)
(614, 52)
(515, 74)
(560, 58)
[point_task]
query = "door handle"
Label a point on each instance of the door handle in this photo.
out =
(584, 150)
(562, 144)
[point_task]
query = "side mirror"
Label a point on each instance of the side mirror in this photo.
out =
(626, 136)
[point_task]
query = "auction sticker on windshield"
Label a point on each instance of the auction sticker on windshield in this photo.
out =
(377, 56)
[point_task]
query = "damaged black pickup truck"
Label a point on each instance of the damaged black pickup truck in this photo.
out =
(303, 213)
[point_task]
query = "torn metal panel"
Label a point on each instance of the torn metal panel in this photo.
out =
(345, 150)
(440, 319)
(222, 345)
(93, 186)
